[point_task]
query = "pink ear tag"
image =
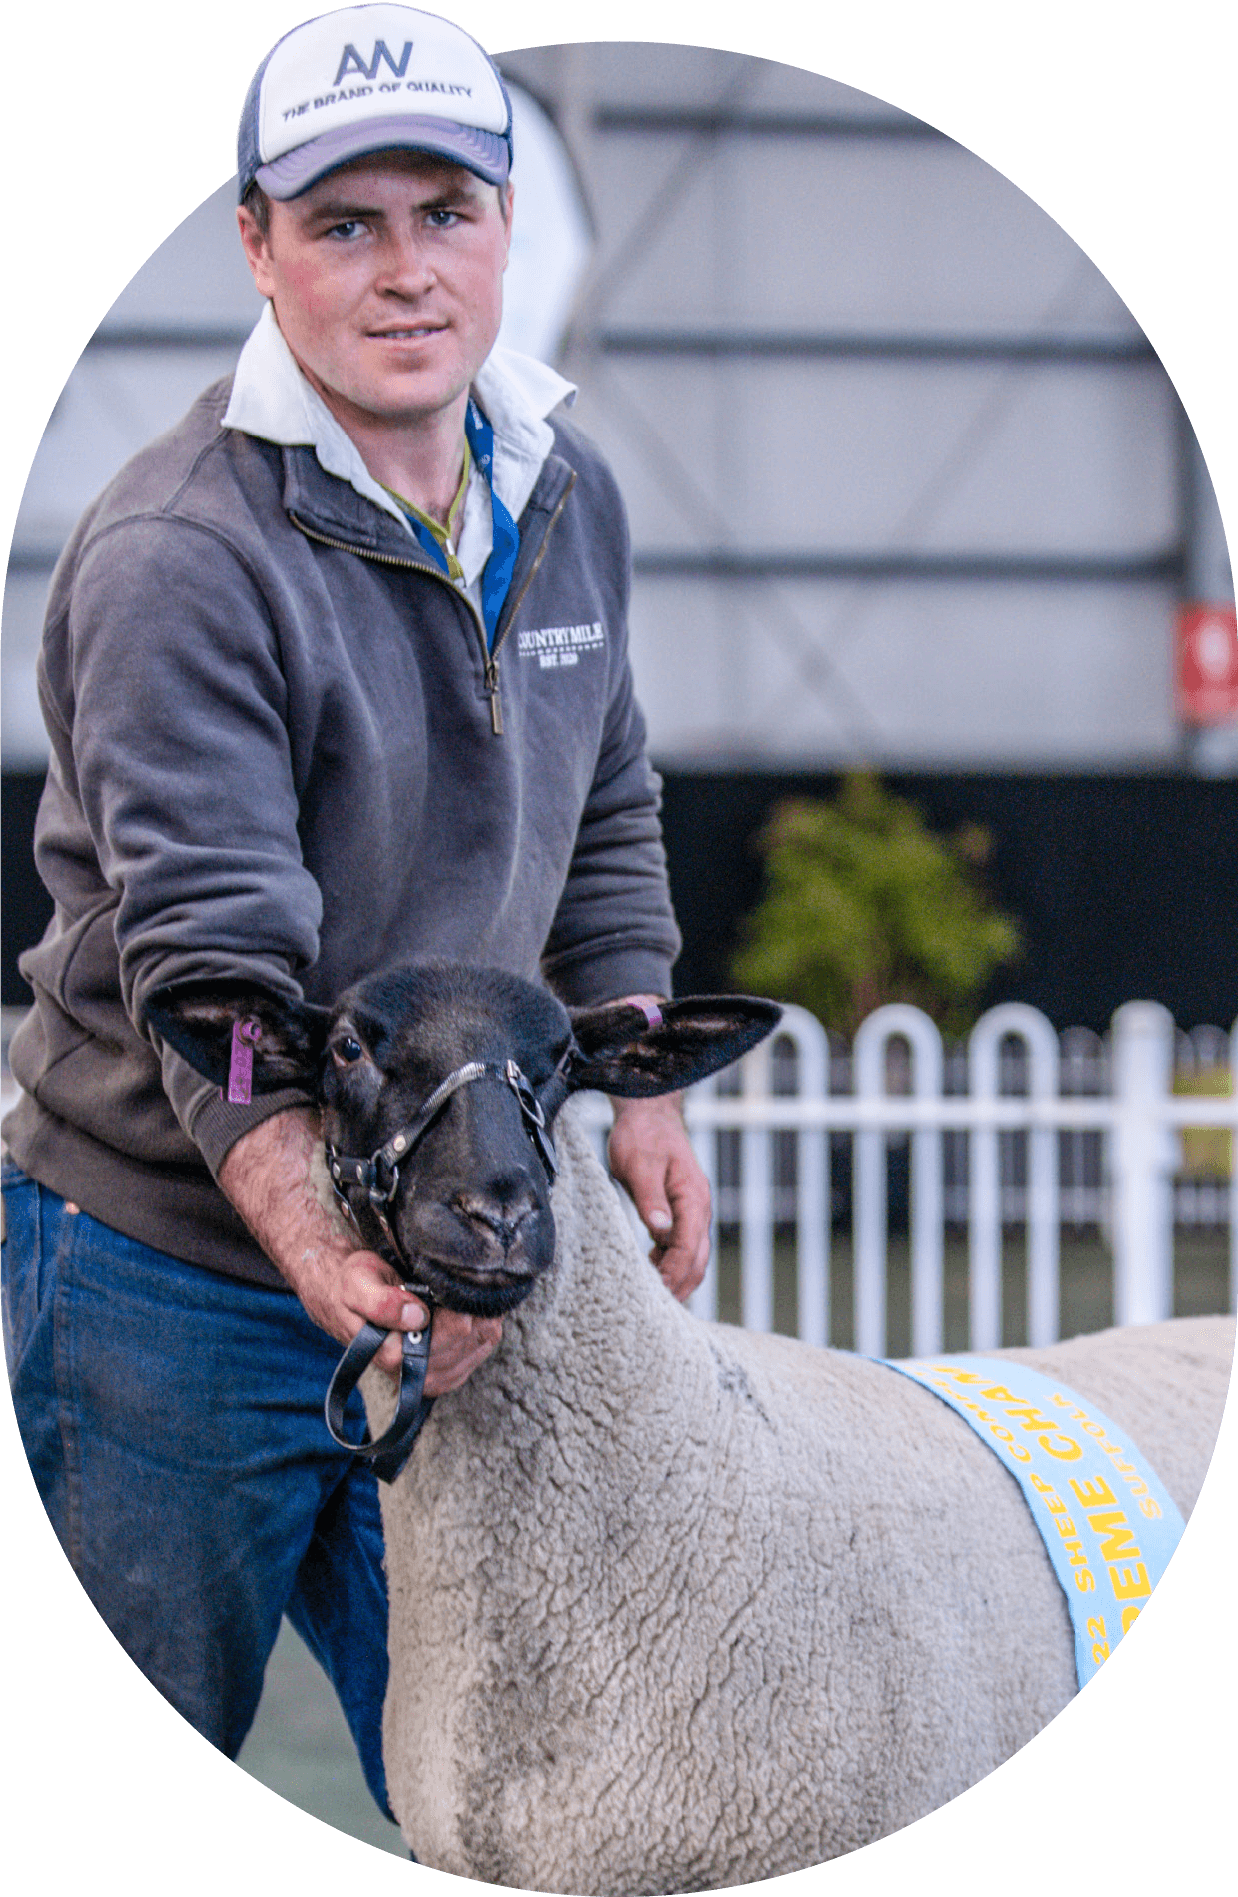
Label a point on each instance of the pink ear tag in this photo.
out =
(245, 1037)
(652, 1013)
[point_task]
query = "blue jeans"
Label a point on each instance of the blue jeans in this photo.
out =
(173, 1419)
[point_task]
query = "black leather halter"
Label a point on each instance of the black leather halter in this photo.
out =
(379, 1175)
(379, 1178)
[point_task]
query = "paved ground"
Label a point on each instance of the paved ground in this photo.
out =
(300, 1746)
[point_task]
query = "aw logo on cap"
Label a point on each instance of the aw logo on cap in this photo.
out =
(353, 62)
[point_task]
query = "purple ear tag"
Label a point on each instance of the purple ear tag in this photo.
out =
(651, 1012)
(245, 1037)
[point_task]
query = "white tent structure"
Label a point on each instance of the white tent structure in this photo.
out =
(908, 485)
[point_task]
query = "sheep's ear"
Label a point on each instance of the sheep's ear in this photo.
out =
(622, 1052)
(197, 1019)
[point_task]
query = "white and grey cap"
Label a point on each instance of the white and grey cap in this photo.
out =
(367, 79)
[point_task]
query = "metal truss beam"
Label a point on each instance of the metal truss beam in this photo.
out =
(753, 345)
(758, 124)
(1060, 569)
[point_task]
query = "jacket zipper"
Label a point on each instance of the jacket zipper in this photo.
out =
(389, 559)
(510, 611)
(490, 660)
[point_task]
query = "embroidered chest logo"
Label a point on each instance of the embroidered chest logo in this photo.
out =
(557, 646)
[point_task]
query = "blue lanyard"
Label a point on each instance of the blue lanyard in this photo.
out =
(496, 578)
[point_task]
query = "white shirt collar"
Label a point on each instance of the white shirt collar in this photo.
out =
(271, 398)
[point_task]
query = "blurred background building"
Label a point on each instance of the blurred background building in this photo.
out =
(908, 489)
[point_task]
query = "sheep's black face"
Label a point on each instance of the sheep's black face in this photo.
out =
(471, 1211)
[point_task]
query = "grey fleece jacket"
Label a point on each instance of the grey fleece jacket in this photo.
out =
(280, 752)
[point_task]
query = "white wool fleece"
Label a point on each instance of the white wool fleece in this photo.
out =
(676, 1606)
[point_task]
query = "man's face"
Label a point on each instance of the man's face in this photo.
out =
(387, 281)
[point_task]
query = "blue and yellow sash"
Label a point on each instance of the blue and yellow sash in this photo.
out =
(1106, 1519)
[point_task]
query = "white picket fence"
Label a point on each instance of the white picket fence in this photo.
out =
(780, 1105)
(769, 1100)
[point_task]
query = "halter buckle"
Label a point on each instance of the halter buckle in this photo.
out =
(530, 1105)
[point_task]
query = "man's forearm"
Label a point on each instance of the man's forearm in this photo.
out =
(269, 1175)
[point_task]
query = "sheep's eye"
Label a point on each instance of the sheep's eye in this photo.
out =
(346, 1050)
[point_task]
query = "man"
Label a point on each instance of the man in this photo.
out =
(303, 725)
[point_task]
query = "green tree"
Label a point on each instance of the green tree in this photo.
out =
(864, 904)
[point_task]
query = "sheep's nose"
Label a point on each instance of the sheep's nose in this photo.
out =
(501, 1212)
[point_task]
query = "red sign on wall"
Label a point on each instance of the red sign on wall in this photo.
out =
(1206, 667)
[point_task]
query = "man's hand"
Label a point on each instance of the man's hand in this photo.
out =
(651, 1154)
(269, 1179)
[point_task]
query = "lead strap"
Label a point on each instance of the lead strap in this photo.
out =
(388, 1455)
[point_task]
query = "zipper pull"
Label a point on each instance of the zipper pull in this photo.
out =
(492, 686)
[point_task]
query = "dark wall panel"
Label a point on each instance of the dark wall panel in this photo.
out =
(1126, 887)
(27, 905)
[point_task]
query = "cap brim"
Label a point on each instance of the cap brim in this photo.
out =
(485, 153)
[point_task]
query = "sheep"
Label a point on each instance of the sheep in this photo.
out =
(675, 1606)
